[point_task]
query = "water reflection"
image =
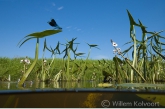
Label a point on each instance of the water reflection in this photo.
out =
(81, 84)
(54, 84)
(141, 86)
(8, 85)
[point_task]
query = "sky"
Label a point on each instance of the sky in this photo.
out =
(91, 21)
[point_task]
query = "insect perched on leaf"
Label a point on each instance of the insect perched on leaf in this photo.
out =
(54, 24)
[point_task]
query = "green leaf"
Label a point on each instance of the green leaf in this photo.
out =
(25, 41)
(158, 42)
(71, 44)
(38, 35)
(117, 60)
(44, 33)
(93, 45)
(44, 45)
(57, 47)
(52, 50)
(105, 73)
(128, 42)
(155, 34)
(132, 21)
(143, 28)
(79, 54)
(66, 52)
(158, 52)
(48, 49)
(125, 51)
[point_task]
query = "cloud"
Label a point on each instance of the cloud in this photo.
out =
(75, 27)
(60, 8)
(49, 10)
(68, 27)
(53, 4)
(78, 29)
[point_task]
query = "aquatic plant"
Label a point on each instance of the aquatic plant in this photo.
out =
(140, 51)
(36, 35)
(25, 63)
(126, 60)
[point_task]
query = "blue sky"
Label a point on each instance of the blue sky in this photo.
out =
(91, 21)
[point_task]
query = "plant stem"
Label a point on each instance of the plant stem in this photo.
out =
(83, 70)
(43, 68)
(134, 54)
(68, 64)
(119, 53)
(25, 75)
(133, 68)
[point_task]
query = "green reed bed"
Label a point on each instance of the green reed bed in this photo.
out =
(14, 68)
(94, 71)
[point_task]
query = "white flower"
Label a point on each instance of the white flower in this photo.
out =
(118, 49)
(114, 44)
(21, 61)
(114, 51)
(27, 61)
(45, 60)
